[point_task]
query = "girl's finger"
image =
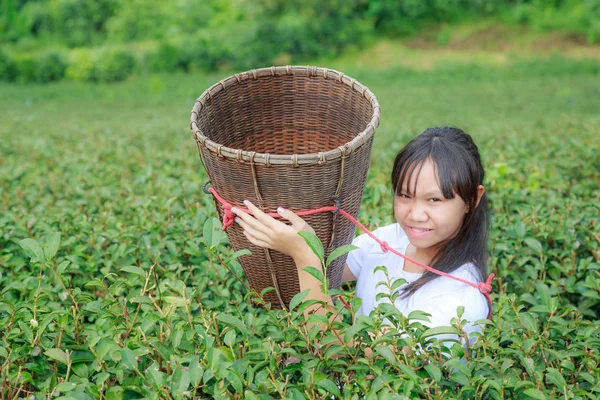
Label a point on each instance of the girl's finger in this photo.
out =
(261, 216)
(251, 230)
(255, 241)
(296, 221)
(250, 220)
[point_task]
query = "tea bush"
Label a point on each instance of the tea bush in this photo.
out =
(116, 281)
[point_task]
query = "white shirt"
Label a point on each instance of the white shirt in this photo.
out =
(440, 297)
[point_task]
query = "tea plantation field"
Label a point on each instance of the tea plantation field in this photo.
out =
(115, 283)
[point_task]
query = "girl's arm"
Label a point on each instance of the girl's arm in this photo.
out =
(347, 275)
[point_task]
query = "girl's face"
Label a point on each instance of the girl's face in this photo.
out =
(426, 216)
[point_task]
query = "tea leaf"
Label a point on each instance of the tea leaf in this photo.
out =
(128, 358)
(32, 249)
(298, 298)
(58, 354)
(317, 274)
(434, 372)
(338, 252)
(212, 233)
(329, 387)
(535, 394)
(134, 270)
(386, 353)
(52, 244)
(556, 378)
(233, 321)
(440, 330)
(195, 371)
(314, 243)
(534, 244)
(65, 386)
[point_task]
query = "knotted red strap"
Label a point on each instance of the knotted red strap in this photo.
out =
(484, 287)
(385, 247)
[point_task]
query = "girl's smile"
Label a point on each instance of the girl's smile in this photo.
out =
(418, 232)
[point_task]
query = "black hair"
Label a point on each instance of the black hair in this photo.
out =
(458, 164)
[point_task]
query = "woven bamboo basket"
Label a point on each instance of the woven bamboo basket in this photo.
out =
(295, 137)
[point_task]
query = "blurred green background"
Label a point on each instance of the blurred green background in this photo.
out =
(109, 40)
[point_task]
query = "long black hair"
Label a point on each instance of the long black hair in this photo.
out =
(458, 163)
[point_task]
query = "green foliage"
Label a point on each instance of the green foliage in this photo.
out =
(575, 16)
(209, 35)
(139, 296)
(72, 22)
(25, 67)
(80, 66)
(113, 66)
(168, 58)
(50, 67)
(7, 68)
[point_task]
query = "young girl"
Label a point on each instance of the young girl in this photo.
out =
(441, 211)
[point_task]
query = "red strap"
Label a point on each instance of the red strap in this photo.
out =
(484, 287)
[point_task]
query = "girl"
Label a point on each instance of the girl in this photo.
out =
(441, 211)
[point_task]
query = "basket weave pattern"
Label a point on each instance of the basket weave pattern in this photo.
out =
(294, 137)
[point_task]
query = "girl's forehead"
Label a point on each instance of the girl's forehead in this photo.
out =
(422, 177)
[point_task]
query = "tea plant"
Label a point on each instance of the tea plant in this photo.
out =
(116, 282)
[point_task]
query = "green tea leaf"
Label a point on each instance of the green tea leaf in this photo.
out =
(212, 232)
(239, 253)
(434, 372)
(65, 386)
(134, 270)
(534, 244)
(58, 354)
(195, 371)
(529, 322)
(340, 251)
(233, 321)
(32, 249)
(52, 244)
(329, 386)
(129, 358)
(317, 274)
(177, 301)
(298, 298)
(60, 269)
(386, 353)
(156, 376)
(353, 330)
(556, 378)
(440, 330)
(535, 394)
(314, 243)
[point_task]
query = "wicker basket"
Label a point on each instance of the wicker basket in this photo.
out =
(295, 137)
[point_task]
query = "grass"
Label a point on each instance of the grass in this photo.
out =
(135, 299)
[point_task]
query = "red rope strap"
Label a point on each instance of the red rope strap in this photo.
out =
(484, 287)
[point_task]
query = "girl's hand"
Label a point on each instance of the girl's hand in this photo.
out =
(265, 231)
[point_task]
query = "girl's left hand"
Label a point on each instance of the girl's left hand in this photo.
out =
(265, 231)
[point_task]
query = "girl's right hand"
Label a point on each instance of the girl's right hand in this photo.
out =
(265, 231)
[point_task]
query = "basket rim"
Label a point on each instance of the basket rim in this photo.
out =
(284, 159)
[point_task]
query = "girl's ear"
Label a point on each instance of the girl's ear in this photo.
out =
(480, 192)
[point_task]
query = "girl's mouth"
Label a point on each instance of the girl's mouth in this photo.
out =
(419, 232)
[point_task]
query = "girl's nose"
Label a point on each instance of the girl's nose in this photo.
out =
(418, 213)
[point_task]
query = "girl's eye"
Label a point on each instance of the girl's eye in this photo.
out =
(434, 200)
(403, 196)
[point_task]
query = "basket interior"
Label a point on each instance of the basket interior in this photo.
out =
(285, 114)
